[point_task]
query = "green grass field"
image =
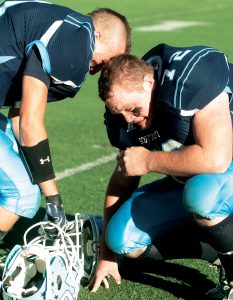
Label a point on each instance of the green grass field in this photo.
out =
(77, 136)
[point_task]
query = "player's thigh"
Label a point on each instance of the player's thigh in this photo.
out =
(7, 220)
(210, 195)
(152, 210)
(17, 193)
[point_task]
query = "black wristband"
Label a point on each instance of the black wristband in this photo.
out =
(55, 199)
(39, 161)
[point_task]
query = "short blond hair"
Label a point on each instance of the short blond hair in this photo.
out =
(126, 70)
(110, 23)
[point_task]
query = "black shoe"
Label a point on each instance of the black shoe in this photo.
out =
(222, 291)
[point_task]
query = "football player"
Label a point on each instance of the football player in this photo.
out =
(45, 54)
(168, 113)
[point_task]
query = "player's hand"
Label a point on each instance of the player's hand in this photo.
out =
(134, 161)
(54, 213)
(104, 270)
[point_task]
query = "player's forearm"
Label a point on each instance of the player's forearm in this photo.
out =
(14, 116)
(111, 205)
(32, 110)
(31, 131)
(36, 151)
(188, 161)
(109, 209)
(49, 188)
(119, 189)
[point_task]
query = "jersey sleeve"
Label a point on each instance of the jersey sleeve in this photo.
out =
(202, 80)
(33, 67)
(70, 51)
(63, 56)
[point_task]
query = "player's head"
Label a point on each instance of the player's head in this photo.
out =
(112, 37)
(126, 84)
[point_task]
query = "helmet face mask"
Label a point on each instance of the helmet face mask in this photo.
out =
(85, 231)
(90, 239)
(44, 268)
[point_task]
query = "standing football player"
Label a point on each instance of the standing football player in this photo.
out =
(168, 113)
(45, 54)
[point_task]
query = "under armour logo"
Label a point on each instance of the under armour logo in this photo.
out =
(42, 161)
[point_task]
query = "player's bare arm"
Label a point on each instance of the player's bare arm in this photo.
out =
(119, 188)
(34, 101)
(212, 152)
(31, 125)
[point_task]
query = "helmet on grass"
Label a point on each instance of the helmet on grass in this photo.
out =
(45, 268)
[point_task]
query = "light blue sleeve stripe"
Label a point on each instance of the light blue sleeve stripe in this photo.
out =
(189, 72)
(43, 53)
(85, 24)
(179, 80)
(229, 92)
(4, 59)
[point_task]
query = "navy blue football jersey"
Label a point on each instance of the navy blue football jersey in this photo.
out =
(47, 41)
(187, 80)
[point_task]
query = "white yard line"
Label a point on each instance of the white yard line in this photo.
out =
(169, 14)
(170, 26)
(85, 167)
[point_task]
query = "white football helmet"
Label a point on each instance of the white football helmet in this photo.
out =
(45, 268)
(85, 232)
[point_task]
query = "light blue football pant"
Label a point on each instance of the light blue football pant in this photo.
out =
(163, 205)
(17, 193)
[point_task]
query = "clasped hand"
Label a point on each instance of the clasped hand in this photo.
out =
(133, 161)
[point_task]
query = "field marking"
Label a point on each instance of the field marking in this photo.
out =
(85, 167)
(170, 26)
(169, 14)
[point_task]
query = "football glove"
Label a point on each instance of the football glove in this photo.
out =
(54, 213)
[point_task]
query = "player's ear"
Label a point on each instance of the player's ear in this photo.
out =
(148, 82)
(97, 35)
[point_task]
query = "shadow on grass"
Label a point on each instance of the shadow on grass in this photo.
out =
(181, 281)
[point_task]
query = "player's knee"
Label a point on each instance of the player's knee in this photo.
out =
(35, 201)
(115, 237)
(122, 235)
(200, 195)
(31, 202)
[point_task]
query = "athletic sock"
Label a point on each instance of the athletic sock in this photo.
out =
(151, 252)
(185, 242)
(220, 236)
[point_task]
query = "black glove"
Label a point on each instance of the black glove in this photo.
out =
(54, 213)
